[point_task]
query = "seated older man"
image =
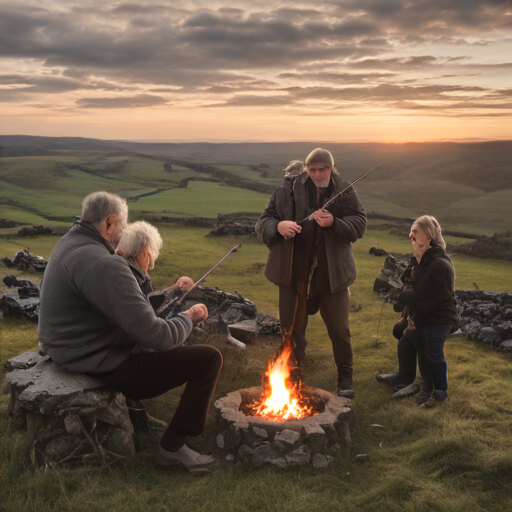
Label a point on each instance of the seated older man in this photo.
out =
(92, 314)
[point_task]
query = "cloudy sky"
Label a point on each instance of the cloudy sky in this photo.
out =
(338, 70)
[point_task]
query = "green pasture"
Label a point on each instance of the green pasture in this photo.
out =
(203, 199)
(274, 175)
(35, 188)
(457, 457)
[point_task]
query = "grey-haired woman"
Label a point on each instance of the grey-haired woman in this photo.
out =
(432, 313)
(140, 246)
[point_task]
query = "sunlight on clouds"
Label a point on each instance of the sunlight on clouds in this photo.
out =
(394, 69)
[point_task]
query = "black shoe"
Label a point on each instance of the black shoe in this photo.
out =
(394, 380)
(345, 393)
(410, 390)
(344, 388)
(438, 397)
(423, 396)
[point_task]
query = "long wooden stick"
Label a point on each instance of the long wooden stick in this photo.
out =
(328, 203)
(168, 300)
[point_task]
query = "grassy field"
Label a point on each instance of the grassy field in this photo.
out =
(457, 457)
(203, 199)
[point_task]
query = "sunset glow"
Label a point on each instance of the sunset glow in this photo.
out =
(381, 70)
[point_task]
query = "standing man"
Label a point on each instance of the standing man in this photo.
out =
(93, 313)
(312, 262)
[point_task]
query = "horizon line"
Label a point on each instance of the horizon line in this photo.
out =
(208, 140)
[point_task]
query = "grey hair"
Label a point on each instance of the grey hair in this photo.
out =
(99, 205)
(432, 229)
(135, 237)
(294, 168)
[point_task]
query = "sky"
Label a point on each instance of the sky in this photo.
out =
(339, 70)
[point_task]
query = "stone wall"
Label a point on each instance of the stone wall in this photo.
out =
(315, 440)
(68, 419)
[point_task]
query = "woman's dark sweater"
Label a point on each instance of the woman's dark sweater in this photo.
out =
(431, 299)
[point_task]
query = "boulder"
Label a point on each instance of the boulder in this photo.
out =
(68, 418)
(488, 336)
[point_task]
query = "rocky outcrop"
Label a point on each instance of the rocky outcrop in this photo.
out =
(23, 299)
(233, 228)
(68, 419)
(23, 260)
(486, 317)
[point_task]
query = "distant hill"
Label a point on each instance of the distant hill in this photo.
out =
(468, 186)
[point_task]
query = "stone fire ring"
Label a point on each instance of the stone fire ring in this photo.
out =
(315, 440)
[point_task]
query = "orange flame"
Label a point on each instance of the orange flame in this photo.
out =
(282, 400)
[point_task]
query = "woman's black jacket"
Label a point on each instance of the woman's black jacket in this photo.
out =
(431, 299)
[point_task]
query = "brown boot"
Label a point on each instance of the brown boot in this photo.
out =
(344, 388)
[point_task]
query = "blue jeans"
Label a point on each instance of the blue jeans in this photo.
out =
(425, 342)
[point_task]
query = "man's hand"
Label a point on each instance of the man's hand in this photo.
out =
(197, 313)
(288, 228)
(323, 218)
(184, 283)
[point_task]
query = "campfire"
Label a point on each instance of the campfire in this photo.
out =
(282, 399)
(282, 422)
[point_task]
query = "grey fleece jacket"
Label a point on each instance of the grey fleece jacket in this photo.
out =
(92, 312)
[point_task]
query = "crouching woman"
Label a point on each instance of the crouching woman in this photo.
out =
(432, 313)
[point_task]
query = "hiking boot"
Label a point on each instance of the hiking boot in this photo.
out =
(438, 397)
(410, 390)
(187, 458)
(394, 380)
(344, 388)
(423, 396)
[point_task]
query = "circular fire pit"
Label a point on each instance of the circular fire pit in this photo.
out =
(316, 439)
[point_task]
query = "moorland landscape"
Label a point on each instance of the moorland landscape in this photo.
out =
(454, 457)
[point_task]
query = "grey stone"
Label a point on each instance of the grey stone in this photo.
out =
(473, 329)
(232, 438)
(313, 435)
(286, 440)
(320, 461)
(264, 454)
(245, 452)
(506, 346)
(280, 463)
(299, 456)
(330, 432)
(488, 336)
(24, 361)
(220, 441)
(362, 457)
(260, 432)
(72, 424)
(230, 457)
(334, 451)
(245, 331)
(60, 447)
(120, 442)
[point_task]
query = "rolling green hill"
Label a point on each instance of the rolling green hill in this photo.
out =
(43, 179)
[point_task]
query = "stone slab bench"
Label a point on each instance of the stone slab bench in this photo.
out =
(68, 419)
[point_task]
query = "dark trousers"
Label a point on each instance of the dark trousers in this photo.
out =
(150, 374)
(334, 309)
(425, 342)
